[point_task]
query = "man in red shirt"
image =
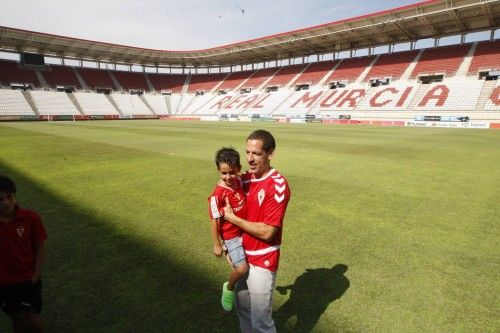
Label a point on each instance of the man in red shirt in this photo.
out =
(22, 254)
(267, 199)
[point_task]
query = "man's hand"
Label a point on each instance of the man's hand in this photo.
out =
(218, 250)
(228, 211)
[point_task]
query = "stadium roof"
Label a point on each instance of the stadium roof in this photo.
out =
(427, 19)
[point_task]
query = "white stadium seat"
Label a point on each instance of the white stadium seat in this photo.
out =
(493, 102)
(130, 104)
(457, 94)
(53, 103)
(393, 97)
(157, 102)
(95, 104)
(13, 103)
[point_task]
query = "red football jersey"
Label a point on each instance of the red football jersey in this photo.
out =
(267, 199)
(216, 203)
(17, 246)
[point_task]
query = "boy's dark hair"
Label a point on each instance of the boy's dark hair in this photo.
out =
(268, 143)
(227, 155)
(7, 185)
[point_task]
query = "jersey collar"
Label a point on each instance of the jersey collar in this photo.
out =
(269, 173)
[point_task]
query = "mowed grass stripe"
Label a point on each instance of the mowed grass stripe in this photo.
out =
(411, 212)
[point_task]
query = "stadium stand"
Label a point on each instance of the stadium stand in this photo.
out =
(486, 57)
(184, 101)
(450, 80)
(13, 103)
(11, 72)
(393, 97)
(350, 69)
(130, 104)
(95, 104)
(391, 65)
(96, 78)
(213, 103)
(398, 96)
(170, 82)
(342, 99)
(300, 102)
(205, 82)
(442, 60)
(54, 103)
(456, 94)
(174, 103)
(158, 103)
(197, 103)
(315, 72)
(60, 76)
(260, 77)
(131, 80)
(285, 75)
(493, 101)
(265, 104)
(234, 80)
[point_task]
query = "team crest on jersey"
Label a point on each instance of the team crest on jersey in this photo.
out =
(260, 196)
(20, 231)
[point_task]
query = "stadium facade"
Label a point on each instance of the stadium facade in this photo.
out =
(332, 73)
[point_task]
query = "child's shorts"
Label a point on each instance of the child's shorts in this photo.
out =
(24, 296)
(235, 251)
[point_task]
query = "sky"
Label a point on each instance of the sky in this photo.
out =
(180, 25)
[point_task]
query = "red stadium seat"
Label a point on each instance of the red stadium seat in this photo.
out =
(234, 80)
(205, 82)
(96, 78)
(260, 77)
(487, 56)
(285, 75)
(131, 80)
(315, 72)
(350, 69)
(60, 76)
(172, 82)
(11, 72)
(445, 60)
(391, 65)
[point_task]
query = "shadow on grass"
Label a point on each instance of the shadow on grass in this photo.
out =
(310, 295)
(98, 279)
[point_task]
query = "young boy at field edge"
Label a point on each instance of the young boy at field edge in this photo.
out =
(228, 187)
(22, 254)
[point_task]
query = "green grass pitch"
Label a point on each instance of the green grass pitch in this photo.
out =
(413, 214)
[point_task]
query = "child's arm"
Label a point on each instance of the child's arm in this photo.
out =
(217, 248)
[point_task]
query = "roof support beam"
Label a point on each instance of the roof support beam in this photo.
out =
(429, 24)
(403, 30)
(487, 13)
(458, 23)
(350, 31)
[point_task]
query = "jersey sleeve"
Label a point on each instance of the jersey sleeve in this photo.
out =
(39, 233)
(277, 201)
(214, 205)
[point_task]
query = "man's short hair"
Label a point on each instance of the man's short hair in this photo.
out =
(7, 185)
(268, 142)
(227, 155)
